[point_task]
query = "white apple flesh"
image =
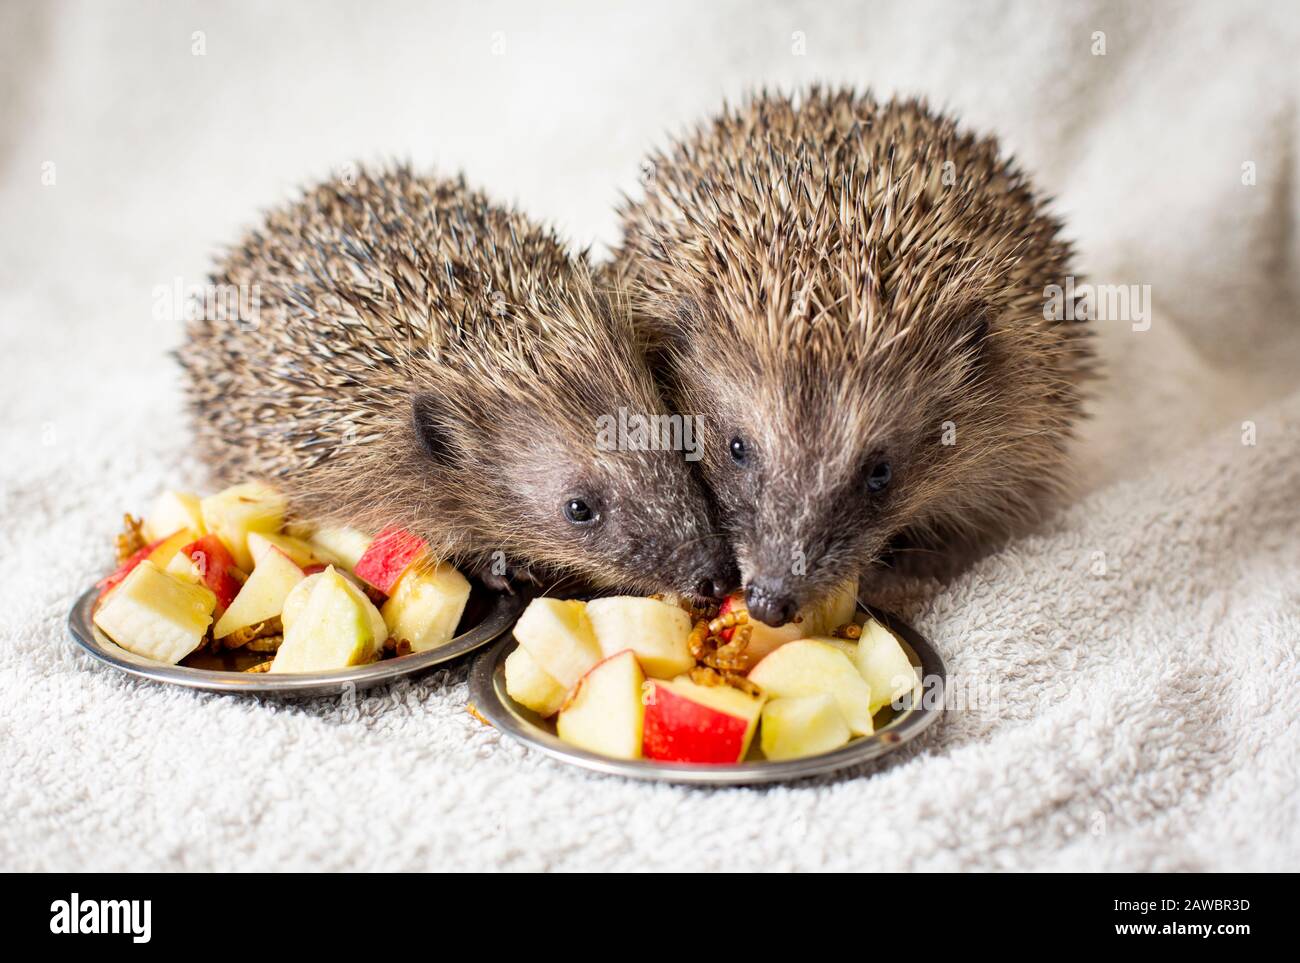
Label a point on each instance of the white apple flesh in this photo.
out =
(763, 638)
(807, 667)
(658, 632)
(341, 546)
(298, 551)
(296, 601)
(262, 595)
(528, 685)
(235, 512)
(884, 664)
(835, 609)
(604, 713)
(334, 629)
(558, 635)
(155, 615)
(426, 606)
(798, 726)
(207, 562)
(174, 511)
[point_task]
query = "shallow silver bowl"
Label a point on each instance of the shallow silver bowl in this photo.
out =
(487, 615)
(487, 691)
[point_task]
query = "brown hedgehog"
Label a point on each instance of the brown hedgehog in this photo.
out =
(852, 295)
(421, 357)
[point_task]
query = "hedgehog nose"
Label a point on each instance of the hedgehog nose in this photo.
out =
(722, 582)
(769, 604)
(708, 589)
(713, 589)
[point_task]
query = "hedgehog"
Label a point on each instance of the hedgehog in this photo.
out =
(422, 358)
(856, 298)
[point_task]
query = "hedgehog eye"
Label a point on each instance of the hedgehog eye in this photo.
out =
(739, 450)
(578, 512)
(879, 477)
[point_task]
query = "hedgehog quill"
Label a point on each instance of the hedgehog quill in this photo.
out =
(424, 358)
(852, 295)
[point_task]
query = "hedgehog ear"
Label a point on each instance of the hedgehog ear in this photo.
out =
(429, 419)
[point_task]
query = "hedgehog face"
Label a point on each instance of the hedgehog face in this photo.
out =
(543, 482)
(810, 491)
(827, 455)
(631, 518)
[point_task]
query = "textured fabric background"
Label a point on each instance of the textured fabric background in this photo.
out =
(1138, 657)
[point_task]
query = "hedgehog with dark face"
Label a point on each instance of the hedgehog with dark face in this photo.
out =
(423, 358)
(852, 297)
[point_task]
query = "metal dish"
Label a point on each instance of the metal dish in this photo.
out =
(487, 615)
(487, 689)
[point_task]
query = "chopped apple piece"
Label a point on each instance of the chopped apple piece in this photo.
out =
(765, 639)
(262, 596)
(164, 550)
(557, 633)
(426, 606)
(807, 667)
(797, 726)
(342, 546)
(604, 714)
(159, 552)
(297, 598)
(299, 552)
(334, 629)
(834, 610)
(685, 722)
(656, 631)
(206, 561)
(847, 646)
(528, 685)
(392, 552)
(156, 616)
(884, 665)
(172, 512)
(234, 513)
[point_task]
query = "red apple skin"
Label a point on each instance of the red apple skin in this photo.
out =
(389, 555)
(680, 730)
(729, 603)
(217, 566)
(109, 582)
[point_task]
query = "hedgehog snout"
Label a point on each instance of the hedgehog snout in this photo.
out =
(709, 567)
(771, 602)
(720, 579)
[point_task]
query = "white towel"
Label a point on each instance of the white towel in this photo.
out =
(1132, 668)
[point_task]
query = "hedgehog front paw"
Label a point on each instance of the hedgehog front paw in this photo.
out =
(502, 576)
